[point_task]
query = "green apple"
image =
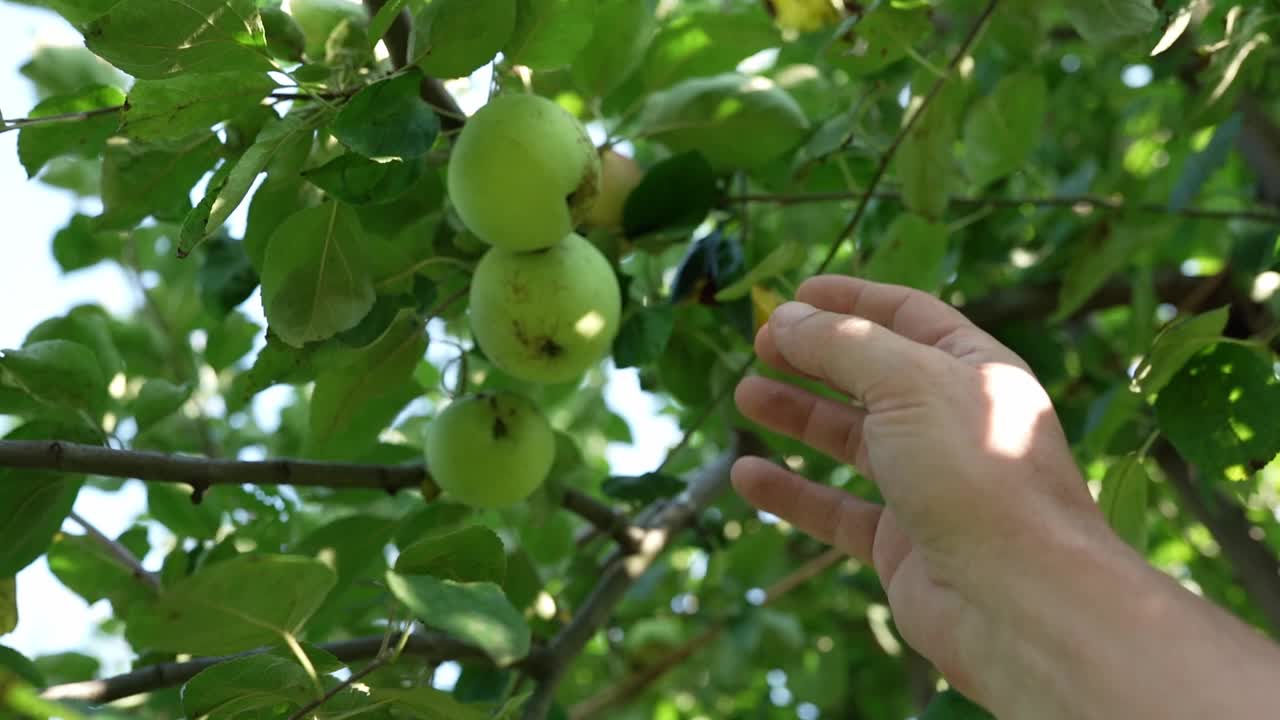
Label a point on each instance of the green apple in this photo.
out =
(523, 173)
(490, 450)
(318, 18)
(546, 316)
(619, 175)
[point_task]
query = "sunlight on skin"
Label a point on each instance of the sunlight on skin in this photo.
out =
(1011, 423)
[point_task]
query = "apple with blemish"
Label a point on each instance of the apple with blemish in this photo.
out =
(546, 316)
(490, 450)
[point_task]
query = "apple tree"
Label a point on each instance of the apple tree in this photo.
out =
(366, 381)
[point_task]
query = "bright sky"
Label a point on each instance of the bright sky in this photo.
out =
(51, 618)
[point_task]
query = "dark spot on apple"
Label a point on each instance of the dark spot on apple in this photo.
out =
(500, 429)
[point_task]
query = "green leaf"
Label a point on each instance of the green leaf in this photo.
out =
(18, 663)
(388, 120)
(33, 503)
(58, 372)
(195, 227)
(154, 39)
(87, 325)
(912, 252)
(781, 259)
(79, 245)
(179, 106)
(881, 37)
(951, 705)
(1102, 253)
(428, 704)
(226, 278)
(642, 488)
(67, 70)
(735, 121)
(90, 571)
(223, 607)
(279, 139)
(471, 554)
(241, 687)
(277, 362)
(705, 44)
(364, 389)
(65, 667)
(38, 144)
(157, 400)
(315, 283)
(437, 518)
(1103, 21)
(477, 613)
(677, 192)
(1202, 165)
(1175, 345)
(230, 341)
(357, 180)
(1219, 410)
(1124, 500)
(1003, 127)
(923, 163)
(351, 545)
(172, 507)
(452, 38)
(644, 336)
(619, 39)
(275, 200)
(285, 38)
(140, 180)
(9, 605)
(549, 34)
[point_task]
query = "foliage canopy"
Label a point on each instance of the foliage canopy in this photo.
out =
(1095, 182)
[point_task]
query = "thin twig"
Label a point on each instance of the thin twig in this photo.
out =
(18, 123)
(886, 158)
(432, 647)
(118, 552)
(355, 677)
(1084, 202)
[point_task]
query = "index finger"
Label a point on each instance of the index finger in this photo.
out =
(909, 312)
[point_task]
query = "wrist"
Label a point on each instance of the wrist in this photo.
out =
(1095, 632)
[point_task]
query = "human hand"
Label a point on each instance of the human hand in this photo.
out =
(980, 487)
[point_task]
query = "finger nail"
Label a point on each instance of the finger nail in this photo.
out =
(791, 313)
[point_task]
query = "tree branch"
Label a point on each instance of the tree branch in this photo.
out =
(604, 519)
(1256, 567)
(432, 647)
(887, 156)
(621, 572)
(118, 552)
(202, 473)
(635, 684)
(1091, 202)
